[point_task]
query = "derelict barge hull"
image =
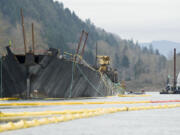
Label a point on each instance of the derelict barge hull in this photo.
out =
(49, 76)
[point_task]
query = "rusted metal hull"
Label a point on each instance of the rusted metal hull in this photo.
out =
(50, 77)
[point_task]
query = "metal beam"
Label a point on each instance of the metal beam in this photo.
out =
(77, 51)
(82, 52)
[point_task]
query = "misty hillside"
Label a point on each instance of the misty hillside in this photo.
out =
(165, 47)
(59, 27)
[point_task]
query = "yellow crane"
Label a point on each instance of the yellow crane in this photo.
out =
(103, 61)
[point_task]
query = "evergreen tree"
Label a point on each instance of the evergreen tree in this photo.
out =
(125, 62)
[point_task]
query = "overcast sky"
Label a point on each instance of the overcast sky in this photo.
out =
(142, 20)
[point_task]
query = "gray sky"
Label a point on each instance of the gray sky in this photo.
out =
(142, 20)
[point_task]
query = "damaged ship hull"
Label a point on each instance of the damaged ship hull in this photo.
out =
(49, 76)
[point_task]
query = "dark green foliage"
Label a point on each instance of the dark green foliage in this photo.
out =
(138, 68)
(125, 62)
(145, 50)
(157, 52)
(60, 25)
(162, 63)
(151, 50)
(117, 60)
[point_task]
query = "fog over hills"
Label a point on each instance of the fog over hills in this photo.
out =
(165, 47)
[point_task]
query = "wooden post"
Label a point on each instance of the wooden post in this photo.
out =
(33, 46)
(96, 54)
(23, 30)
(174, 68)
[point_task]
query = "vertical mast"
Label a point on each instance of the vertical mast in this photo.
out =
(23, 30)
(33, 46)
(96, 54)
(174, 68)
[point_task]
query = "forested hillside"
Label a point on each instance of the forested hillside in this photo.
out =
(59, 27)
(165, 47)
